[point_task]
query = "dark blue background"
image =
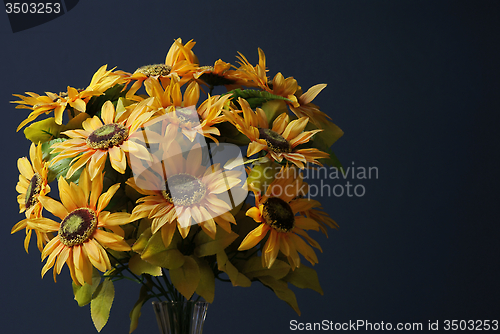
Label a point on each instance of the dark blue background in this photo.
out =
(414, 85)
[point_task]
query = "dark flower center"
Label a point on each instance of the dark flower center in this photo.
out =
(154, 70)
(78, 226)
(278, 214)
(184, 189)
(275, 141)
(187, 115)
(214, 79)
(33, 190)
(107, 136)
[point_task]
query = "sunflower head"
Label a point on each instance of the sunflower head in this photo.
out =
(77, 227)
(154, 70)
(278, 214)
(184, 189)
(33, 191)
(107, 136)
(275, 141)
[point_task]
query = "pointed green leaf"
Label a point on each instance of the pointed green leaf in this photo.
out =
(273, 109)
(237, 278)
(304, 277)
(61, 167)
(282, 291)
(230, 134)
(96, 102)
(253, 268)
(140, 244)
(186, 278)
(205, 245)
(138, 266)
(42, 131)
(83, 293)
(156, 253)
(121, 106)
(76, 122)
(135, 314)
(206, 286)
(100, 305)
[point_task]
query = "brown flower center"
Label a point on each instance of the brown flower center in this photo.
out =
(214, 79)
(154, 70)
(107, 136)
(188, 115)
(33, 190)
(275, 141)
(78, 226)
(278, 214)
(184, 189)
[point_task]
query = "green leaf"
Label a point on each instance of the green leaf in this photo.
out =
(282, 291)
(138, 266)
(156, 253)
(263, 174)
(101, 303)
(61, 167)
(141, 242)
(304, 277)
(206, 286)
(253, 268)
(42, 131)
(186, 278)
(135, 314)
(255, 98)
(230, 134)
(112, 94)
(237, 278)
(121, 106)
(76, 122)
(273, 109)
(323, 142)
(83, 294)
(206, 246)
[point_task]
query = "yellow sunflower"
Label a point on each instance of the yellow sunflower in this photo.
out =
(276, 211)
(96, 140)
(252, 76)
(32, 184)
(77, 99)
(298, 102)
(188, 119)
(81, 236)
(182, 191)
(180, 65)
(281, 140)
(220, 74)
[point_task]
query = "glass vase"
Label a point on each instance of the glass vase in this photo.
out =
(180, 317)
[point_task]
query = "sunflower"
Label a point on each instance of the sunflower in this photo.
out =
(180, 65)
(81, 236)
(182, 191)
(219, 74)
(298, 102)
(101, 81)
(276, 211)
(252, 76)
(32, 184)
(97, 140)
(281, 140)
(181, 112)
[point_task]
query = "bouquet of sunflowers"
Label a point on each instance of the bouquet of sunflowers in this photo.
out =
(173, 192)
